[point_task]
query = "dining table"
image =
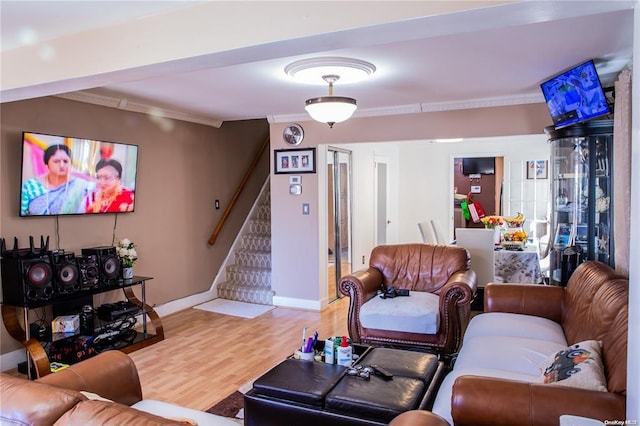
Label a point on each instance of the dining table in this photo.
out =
(517, 266)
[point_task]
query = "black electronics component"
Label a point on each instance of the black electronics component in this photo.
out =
(113, 311)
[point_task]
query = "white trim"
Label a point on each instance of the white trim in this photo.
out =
(138, 106)
(288, 302)
(423, 107)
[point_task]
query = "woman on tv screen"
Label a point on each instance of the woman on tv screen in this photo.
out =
(110, 196)
(56, 191)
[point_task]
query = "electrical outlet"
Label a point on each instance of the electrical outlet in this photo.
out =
(305, 209)
(475, 189)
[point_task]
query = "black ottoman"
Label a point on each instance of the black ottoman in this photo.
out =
(310, 393)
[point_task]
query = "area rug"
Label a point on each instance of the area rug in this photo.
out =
(233, 405)
(234, 308)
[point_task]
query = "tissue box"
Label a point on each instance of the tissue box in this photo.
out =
(65, 324)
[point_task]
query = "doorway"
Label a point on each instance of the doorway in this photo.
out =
(338, 218)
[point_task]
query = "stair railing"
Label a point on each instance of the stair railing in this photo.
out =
(236, 195)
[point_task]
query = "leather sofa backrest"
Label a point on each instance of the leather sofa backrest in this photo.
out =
(595, 307)
(418, 267)
(31, 403)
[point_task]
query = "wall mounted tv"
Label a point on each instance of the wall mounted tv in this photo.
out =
(63, 175)
(575, 96)
(479, 165)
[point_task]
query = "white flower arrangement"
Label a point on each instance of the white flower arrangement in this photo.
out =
(127, 253)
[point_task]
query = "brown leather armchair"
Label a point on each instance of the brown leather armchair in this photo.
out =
(437, 269)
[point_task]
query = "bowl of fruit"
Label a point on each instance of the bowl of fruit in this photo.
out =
(514, 221)
(514, 240)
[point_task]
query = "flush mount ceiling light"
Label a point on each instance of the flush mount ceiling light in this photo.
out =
(330, 109)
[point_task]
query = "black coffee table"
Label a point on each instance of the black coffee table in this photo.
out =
(313, 393)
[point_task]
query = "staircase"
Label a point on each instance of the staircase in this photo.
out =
(248, 278)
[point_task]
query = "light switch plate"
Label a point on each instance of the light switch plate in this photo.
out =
(305, 209)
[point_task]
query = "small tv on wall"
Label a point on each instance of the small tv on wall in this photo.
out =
(63, 175)
(478, 165)
(575, 96)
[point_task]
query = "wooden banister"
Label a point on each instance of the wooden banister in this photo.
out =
(234, 199)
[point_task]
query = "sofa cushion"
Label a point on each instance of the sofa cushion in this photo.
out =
(578, 365)
(511, 354)
(417, 313)
(515, 325)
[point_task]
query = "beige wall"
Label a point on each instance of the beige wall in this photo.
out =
(182, 169)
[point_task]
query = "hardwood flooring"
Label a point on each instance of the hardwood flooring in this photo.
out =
(206, 356)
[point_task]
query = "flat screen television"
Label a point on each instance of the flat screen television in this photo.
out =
(575, 96)
(63, 175)
(478, 165)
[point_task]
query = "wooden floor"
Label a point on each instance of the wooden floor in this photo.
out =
(206, 356)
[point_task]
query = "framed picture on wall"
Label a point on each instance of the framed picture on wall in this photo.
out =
(537, 169)
(300, 160)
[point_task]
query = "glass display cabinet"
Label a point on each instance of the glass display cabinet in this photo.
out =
(581, 196)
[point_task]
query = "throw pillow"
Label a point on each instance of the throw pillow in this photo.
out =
(579, 366)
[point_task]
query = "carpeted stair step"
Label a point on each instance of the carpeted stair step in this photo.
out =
(249, 276)
(259, 227)
(242, 293)
(253, 258)
(256, 242)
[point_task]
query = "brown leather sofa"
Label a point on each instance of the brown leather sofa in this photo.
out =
(438, 269)
(56, 399)
(593, 306)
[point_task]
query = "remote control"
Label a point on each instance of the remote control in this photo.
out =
(382, 372)
(402, 292)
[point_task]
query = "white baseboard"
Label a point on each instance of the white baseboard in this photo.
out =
(288, 302)
(11, 360)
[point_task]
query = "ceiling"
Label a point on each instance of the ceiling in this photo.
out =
(480, 54)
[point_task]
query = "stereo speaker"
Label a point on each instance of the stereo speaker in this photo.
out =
(25, 282)
(108, 264)
(67, 278)
(89, 272)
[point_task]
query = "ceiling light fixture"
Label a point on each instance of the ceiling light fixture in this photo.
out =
(330, 109)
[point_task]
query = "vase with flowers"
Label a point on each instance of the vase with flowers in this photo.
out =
(495, 223)
(128, 255)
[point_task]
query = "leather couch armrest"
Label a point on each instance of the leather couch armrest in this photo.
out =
(478, 401)
(455, 306)
(360, 287)
(529, 299)
(418, 418)
(464, 281)
(101, 412)
(110, 374)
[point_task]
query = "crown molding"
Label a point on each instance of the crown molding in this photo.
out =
(423, 107)
(134, 106)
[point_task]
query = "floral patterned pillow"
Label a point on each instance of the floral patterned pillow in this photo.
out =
(579, 366)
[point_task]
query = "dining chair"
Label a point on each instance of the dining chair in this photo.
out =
(479, 242)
